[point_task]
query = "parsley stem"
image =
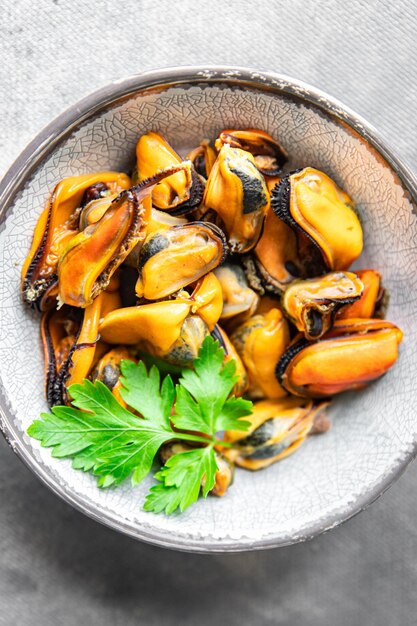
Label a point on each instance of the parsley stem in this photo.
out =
(188, 437)
(211, 440)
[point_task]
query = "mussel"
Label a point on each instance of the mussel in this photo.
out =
(171, 259)
(107, 370)
(239, 300)
(371, 301)
(166, 329)
(328, 230)
(260, 342)
(277, 429)
(178, 193)
(312, 304)
(275, 261)
(351, 355)
(206, 299)
(269, 155)
(225, 468)
(229, 354)
(237, 192)
(57, 225)
(93, 255)
(70, 337)
(203, 158)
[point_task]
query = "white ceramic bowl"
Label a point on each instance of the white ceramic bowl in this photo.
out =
(331, 477)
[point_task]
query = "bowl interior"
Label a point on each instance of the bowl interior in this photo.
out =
(373, 431)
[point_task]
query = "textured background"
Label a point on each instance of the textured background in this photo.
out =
(59, 568)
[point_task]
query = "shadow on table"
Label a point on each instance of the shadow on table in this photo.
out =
(116, 569)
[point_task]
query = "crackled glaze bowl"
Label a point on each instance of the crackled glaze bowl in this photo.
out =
(331, 477)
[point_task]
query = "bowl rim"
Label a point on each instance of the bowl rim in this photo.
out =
(63, 125)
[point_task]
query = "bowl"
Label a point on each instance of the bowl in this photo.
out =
(331, 477)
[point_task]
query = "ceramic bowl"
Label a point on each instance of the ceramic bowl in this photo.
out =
(331, 477)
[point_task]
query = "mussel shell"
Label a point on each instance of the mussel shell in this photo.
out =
(269, 155)
(203, 158)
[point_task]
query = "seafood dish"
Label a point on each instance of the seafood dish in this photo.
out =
(225, 241)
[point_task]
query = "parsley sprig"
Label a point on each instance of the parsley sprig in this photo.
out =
(112, 442)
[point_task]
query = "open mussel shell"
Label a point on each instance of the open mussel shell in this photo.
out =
(351, 355)
(277, 429)
(56, 226)
(260, 342)
(203, 158)
(328, 230)
(238, 194)
(173, 258)
(179, 193)
(269, 155)
(312, 304)
(92, 256)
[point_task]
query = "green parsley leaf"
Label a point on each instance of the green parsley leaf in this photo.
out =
(107, 439)
(143, 391)
(103, 437)
(181, 479)
(202, 394)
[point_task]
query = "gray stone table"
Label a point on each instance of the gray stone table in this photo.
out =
(58, 568)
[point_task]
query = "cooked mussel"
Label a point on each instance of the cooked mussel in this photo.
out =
(203, 158)
(229, 354)
(328, 230)
(107, 370)
(171, 259)
(237, 192)
(69, 338)
(206, 299)
(239, 300)
(275, 261)
(312, 304)
(57, 225)
(93, 255)
(165, 329)
(277, 429)
(178, 193)
(269, 155)
(372, 299)
(225, 468)
(351, 355)
(260, 342)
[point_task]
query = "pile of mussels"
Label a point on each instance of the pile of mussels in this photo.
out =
(222, 243)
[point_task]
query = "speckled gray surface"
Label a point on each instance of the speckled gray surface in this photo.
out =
(57, 567)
